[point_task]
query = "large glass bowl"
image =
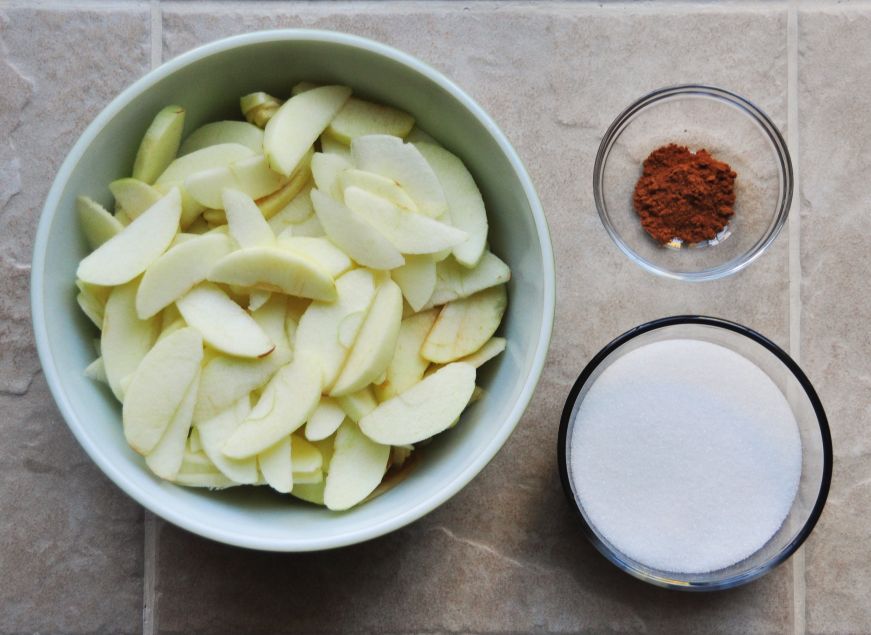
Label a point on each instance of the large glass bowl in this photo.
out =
(816, 466)
(733, 130)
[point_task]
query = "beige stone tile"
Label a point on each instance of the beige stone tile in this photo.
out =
(506, 554)
(834, 71)
(71, 555)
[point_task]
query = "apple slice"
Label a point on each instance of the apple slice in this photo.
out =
(465, 205)
(133, 196)
(194, 444)
(296, 126)
(258, 298)
(358, 404)
(379, 186)
(159, 386)
(212, 134)
(309, 228)
(223, 323)
(310, 493)
(407, 366)
(214, 433)
(178, 270)
(359, 118)
(333, 146)
(126, 255)
(258, 108)
(97, 224)
(417, 279)
(308, 478)
(403, 163)
(419, 136)
(247, 225)
(409, 232)
(125, 338)
(166, 458)
(276, 465)
(464, 326)
(278, 200)
(295, 211)
(225, 380)
(197, 471)
(275, 269)
(91, 307)
(326, 170)
(301, 87)
(159, 145)
(318, 333)
(454, 281)
(354, 235)
(375, 343)
(493, 347)
(306, 457)
(320, 250)
(251, 176)
(325, 420)
(356, 469)
(287, 402)
(427, 408)
(96, 371)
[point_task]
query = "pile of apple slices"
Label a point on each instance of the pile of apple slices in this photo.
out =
(295, 300)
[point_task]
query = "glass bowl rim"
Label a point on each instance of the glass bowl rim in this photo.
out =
(615, 557)
(712, 92)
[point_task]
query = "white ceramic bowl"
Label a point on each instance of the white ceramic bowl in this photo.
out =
(208, 82)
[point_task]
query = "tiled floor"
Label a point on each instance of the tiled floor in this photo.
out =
(76, 556)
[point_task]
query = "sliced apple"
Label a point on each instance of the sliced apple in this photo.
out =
(326, 170)
(454, 281)
(276, 465)
(310, 493)
(97, 224)
(409, 232)
(296, 126)
(251, 176)
(257, 298)
(295, 211)
(359, 118)
(214, 433)
(356, 469)
(419, 136)
(379, 186)
(125, 338)
(354, 235)
(318, 332)
(247, 225)
(166, 458)
(159, 386)
(321, 251)
(375, 343)
(403, 163)
(427, 408)
(407, 366)
(306, 456)
(325, 420)
(465, 204)
(91, 308)
(493, 347)
(309, 228)
(126, 255)
(333, 146)
(224, 324)
(96, 371)
(133, 196)
(159, 145)
(217, 132)
(178, 270)
(358, 404)
(258, 108)
(301, 87)
(275, 269)
(286, 403)
(464, 326)
(299, 181)
(417, 279)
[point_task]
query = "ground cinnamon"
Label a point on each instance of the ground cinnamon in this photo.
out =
(684, 194)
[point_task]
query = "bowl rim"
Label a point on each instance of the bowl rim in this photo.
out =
(174, 513)
(711, 92)
(822, 420)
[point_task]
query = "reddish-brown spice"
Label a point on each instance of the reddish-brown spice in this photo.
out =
(684, 194)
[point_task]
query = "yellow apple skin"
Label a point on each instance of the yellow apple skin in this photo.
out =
(159, 145)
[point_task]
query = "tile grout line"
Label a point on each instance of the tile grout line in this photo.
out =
(149, 547)
(799, 581)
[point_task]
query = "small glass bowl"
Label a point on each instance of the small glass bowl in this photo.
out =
(816, 445)
(733, 130)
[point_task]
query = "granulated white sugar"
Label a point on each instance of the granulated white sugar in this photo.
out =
(685, 456)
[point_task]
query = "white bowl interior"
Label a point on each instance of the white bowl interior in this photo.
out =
(208, 83)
